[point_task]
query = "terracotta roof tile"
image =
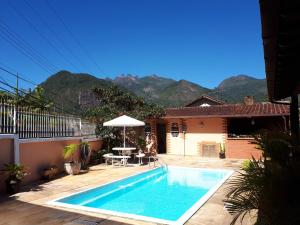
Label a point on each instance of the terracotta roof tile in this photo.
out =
(230, 110)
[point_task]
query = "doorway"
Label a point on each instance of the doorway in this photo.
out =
(161, 138)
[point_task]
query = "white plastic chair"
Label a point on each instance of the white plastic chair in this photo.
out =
(140, 156)
(107, 157)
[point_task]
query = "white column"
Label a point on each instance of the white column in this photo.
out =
(124, 137)
(16, 149)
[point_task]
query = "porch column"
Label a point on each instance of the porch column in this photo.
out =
(294, 119)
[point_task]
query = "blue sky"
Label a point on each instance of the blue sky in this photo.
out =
(201, 41)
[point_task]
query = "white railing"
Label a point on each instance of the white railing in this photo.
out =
(7, 118)
(29, 123)
(160, 161)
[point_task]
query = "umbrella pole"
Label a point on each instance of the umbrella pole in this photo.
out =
(124, 136)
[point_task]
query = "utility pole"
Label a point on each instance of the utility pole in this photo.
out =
(17, 88)
(16, 105)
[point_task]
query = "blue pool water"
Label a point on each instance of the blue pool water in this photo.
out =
(160, 194)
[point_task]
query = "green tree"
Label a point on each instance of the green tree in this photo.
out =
(35, 100)
(116, 102)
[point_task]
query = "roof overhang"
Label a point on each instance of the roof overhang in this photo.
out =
(281, 41)
(230, 111)
(224, 116)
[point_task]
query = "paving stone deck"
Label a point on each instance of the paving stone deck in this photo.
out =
(30, 207)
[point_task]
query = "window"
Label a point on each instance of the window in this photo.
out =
(174, 130)
(241, 127)
(246, 127)
(204, 105)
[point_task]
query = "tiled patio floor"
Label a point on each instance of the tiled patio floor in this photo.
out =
(30, 208)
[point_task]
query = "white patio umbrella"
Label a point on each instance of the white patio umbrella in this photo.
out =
(124, 121)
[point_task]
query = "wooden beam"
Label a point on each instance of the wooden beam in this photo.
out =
(294, 118)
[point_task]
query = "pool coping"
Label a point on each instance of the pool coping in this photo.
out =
(182, 219)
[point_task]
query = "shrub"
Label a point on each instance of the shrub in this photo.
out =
(269, 185)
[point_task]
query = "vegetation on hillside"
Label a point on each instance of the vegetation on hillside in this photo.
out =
(33, 99)
(235, 88)
(65, 89)
(171, 93)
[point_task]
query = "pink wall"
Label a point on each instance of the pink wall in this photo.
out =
(95, 145)
(37, 155)
(6, 156)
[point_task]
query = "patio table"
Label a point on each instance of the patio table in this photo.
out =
(123, 158)
(124, 150)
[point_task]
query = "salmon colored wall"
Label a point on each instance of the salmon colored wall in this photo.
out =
(37, 156)
(95, 145)
(213, 130)
(242, 149)
(6, 156)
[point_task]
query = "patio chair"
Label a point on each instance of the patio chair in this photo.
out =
(107, 157)
(140, 156)
(122, 158)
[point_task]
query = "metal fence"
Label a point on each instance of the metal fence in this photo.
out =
(29, 123)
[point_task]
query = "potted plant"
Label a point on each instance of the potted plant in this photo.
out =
(222, 151)
(49, 172)
(16, 173)
(84, 154)
(72, 167)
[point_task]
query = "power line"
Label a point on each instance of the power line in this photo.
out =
(18, 37)
(31, 82)
(44, 99)
(46, 24)
(25, 48)
(15, 75)
(14, 95)
(30, 95)
(8, 91)
(41, 35)
(3, 79)
(14, 88)
(73, 36)
(23, 51)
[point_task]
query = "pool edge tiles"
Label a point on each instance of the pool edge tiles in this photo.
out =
(194, 208)
(181, 220)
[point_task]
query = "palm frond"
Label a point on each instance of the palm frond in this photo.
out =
(244, 191)
(69, 150)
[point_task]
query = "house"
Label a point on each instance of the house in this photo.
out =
(281, 34)
(205, 100)
(200, 127)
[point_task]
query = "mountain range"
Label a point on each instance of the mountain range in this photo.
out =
(68, 89)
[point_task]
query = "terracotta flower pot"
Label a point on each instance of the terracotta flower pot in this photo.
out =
(72, 168)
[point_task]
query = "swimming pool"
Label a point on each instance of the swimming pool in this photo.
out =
(168, 196)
